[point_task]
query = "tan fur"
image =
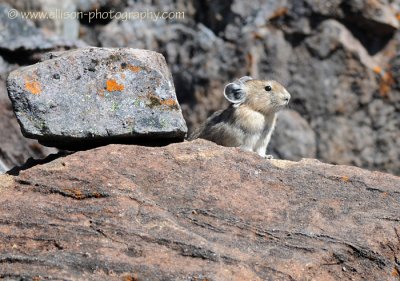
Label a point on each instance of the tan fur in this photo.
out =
(248, 124)
(248, 119)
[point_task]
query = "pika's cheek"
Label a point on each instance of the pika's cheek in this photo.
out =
(262, 99)
(266, 99)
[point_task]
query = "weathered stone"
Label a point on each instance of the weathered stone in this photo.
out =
(188, 68)
(3, 167)
(14, 148)
(197, 211)
(293, 137)
(343, 92)
(333, 35)
(336, 58)
(64, 17)
(92, 5)
(374, 16)
(67, 27)
(20, 34)
(96, 96)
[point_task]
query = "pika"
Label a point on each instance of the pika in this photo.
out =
(250, 119)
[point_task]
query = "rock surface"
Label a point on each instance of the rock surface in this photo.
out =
(94, 96)
(197, 211)
(292, 137)
(339, 59)
(21, 43)
(14, 148)
(3, 167)
(20, 34)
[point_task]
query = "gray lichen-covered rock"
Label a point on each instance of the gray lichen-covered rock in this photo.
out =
(93, 96)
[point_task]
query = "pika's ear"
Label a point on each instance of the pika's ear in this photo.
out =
(234, 93)
(244, 79)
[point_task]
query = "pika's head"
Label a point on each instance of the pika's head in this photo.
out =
(264, 96)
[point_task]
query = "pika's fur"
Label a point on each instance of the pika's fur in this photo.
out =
(250, 119)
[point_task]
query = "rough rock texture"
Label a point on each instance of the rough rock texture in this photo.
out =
(338, 58)
(97, 95)
(20, 34)
(3, 167)
(21, 43)
(333, 56)
(14, 148)
(293, 137)
(197, 211)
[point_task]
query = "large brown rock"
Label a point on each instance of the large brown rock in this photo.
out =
(197, 211)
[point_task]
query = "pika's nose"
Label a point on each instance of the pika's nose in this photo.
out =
(286, 98)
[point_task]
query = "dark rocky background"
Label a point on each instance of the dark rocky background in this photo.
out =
(339, 59)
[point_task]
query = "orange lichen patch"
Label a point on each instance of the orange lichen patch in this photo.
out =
(345, 178)
(386, 84)
(33, 87)
(395, 272)
(97, 195)
(130, 277)
(386, 81)
(100, 93)
(169, 102)
(74, 193)
(156, 101)
(377, 70)
(279, 13)
(113, 86)
(134, 68)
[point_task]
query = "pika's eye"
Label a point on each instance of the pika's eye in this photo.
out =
(268, 88)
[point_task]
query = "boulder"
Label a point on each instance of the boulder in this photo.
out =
(293, 137)
(14, 148)
(374, 16)
(94, 96)
(339, 60)
(18, 34)
(197, 211)
(3, 167)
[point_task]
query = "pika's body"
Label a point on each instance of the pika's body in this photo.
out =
(250, 119)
